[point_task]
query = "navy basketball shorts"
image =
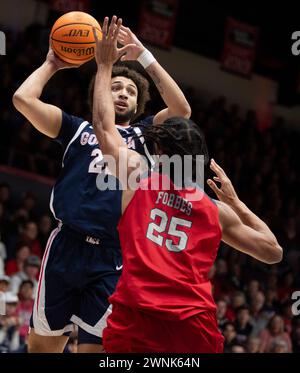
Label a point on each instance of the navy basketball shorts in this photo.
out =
(78, 274)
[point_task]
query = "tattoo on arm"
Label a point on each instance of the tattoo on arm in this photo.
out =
(156, 80)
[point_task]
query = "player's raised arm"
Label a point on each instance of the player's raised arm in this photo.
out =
(44, 117)
(177, 105)
(107, 53)
(241, 228)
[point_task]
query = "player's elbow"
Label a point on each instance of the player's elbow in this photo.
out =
(185, 111)
(273, 252)
(18, 100)
(277, 253)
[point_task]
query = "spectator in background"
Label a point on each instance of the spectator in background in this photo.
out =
(229, 333)
(259, 318)
(9, 324)
(28, 204)
(253, 287)
(4, 283)
(295, 335)
(30, 272)
(30, 237)
(242, 325)
(287, 316)
(271, 305)
(273, 332)
(221, 313)
(220, 279)
(279, 346)
(44, 227)
(16, 265)
(253, 345)
(237, 349)
(286, 287)
(25, 306)
(238, 299)
(2, 256)
(5, 197)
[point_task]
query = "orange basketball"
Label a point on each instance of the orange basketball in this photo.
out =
(72, 37)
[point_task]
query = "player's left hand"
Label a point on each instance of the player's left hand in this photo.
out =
(107, 51)
(127, 37)
(226, 192)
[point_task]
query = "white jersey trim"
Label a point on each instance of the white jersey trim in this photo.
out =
(77, 133)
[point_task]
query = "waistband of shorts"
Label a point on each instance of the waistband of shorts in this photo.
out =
(90, 239)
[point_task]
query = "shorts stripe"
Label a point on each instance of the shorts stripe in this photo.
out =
(45, 257)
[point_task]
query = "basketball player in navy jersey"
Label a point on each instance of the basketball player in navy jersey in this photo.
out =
(82, 260)
(169, 237)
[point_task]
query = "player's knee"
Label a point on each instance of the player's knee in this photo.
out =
(34, 346)
(40, 344)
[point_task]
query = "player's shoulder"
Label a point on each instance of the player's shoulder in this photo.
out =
(144, 122)
(75, 120)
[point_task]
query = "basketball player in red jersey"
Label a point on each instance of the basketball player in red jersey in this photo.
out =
(163, 301)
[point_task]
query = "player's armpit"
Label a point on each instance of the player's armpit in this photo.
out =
(259, 245)
(46, 118)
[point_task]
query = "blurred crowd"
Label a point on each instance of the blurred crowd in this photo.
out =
(254, 301)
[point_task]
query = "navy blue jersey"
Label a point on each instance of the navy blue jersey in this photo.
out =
(75, 200)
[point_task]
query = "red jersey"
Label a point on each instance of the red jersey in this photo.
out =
(169, 242)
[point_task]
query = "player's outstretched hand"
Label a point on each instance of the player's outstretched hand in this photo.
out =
(126, 37)
(57, 62)
(226, 192)
(107, 51)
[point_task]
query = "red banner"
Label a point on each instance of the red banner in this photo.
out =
(157, 22)
(239, 47)
(65, 6)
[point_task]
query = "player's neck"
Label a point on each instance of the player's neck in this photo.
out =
(124, 125)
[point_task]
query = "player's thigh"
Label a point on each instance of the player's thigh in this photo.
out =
(39, 343)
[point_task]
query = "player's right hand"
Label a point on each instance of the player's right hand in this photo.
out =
(57, 62)
(226, 192)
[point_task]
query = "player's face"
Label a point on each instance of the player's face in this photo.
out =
(124, 93)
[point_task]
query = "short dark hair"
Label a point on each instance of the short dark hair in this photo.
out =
(138, 79)
(25, 282)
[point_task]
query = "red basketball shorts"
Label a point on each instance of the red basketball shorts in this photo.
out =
(130, 330)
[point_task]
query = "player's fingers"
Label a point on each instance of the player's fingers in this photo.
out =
(217, 179)
(125, 29)
(122, 51)
(219, 168)
(95, 35)
(116, 33)
(104, 26)
(213, 186)
(122, 31)
(217, 171)
(112, 27)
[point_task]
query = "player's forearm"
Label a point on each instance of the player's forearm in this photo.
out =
(103, 109)
(169, 91)
(250, 219)
(33, 86)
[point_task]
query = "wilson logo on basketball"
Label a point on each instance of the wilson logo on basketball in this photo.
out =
(76, 33)
(78, 51)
